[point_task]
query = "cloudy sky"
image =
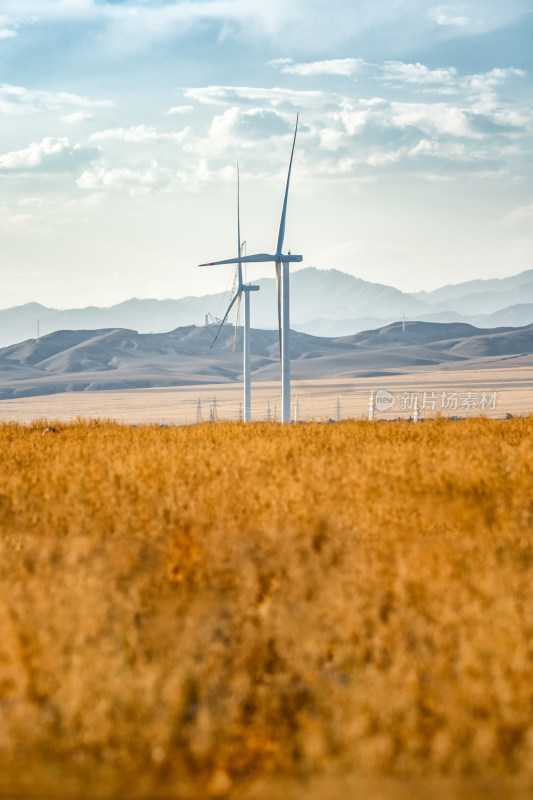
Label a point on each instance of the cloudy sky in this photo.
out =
(122, 121)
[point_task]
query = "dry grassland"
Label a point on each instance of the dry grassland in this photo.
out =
(188, 611)
(317, 398)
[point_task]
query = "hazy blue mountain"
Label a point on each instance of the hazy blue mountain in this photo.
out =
(336, 295)
(323, 303)
(477, 303)
(142, 315)
(20, 322)
(457, 290)
(515, 316)
(321, 326)
(326, 293)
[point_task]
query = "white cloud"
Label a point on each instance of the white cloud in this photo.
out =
(475, 16)
(418, 73)
(18, 99)
(388, 129)
(278, 62)
(381, 159)
(201, 174)
(435, 177)
(354, 120)
(373, 101)
(8, 27)
(477, 88)
(488, 174)
(236, 130)
(514, 118)
(33, 202)
(340, 168)
(487, 81)
(229, 95)
(179, 110)
(138, 134)
(88, 201)
(256, 123)
(439, 117)
(331, 139)
(335, 66)
(517, 216)
(309, 25)
(49, 155)
(449, 16)
(128, 27)
(38, 203)
(481, 91)
(10, 221)
(448, 150)
(77, 116)
(135, 181)
(476, 105)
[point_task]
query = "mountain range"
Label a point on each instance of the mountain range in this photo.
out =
(323, 303)
(117, 358)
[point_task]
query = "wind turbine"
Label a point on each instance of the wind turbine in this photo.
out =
(282, 262)
(242, 288)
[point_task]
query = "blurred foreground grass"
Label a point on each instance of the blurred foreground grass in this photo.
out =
(267, 612)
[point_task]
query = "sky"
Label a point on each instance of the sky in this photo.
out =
(122, 121)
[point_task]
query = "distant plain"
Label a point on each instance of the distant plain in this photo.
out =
(174, 377)
(317, 399)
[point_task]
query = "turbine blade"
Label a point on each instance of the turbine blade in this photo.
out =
(247, 260)
(239, 226)
(278, 291)
(281, 234)
(237, 321)
(225, 318)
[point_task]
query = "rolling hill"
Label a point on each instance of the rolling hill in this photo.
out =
(119, 358)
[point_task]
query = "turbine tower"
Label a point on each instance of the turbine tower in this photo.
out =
(242, 288)
(282, 262)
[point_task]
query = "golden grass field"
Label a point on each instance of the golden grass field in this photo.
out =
(267, 612)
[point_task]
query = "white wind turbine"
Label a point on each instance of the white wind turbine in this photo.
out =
(242, 288)
(282, 262)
